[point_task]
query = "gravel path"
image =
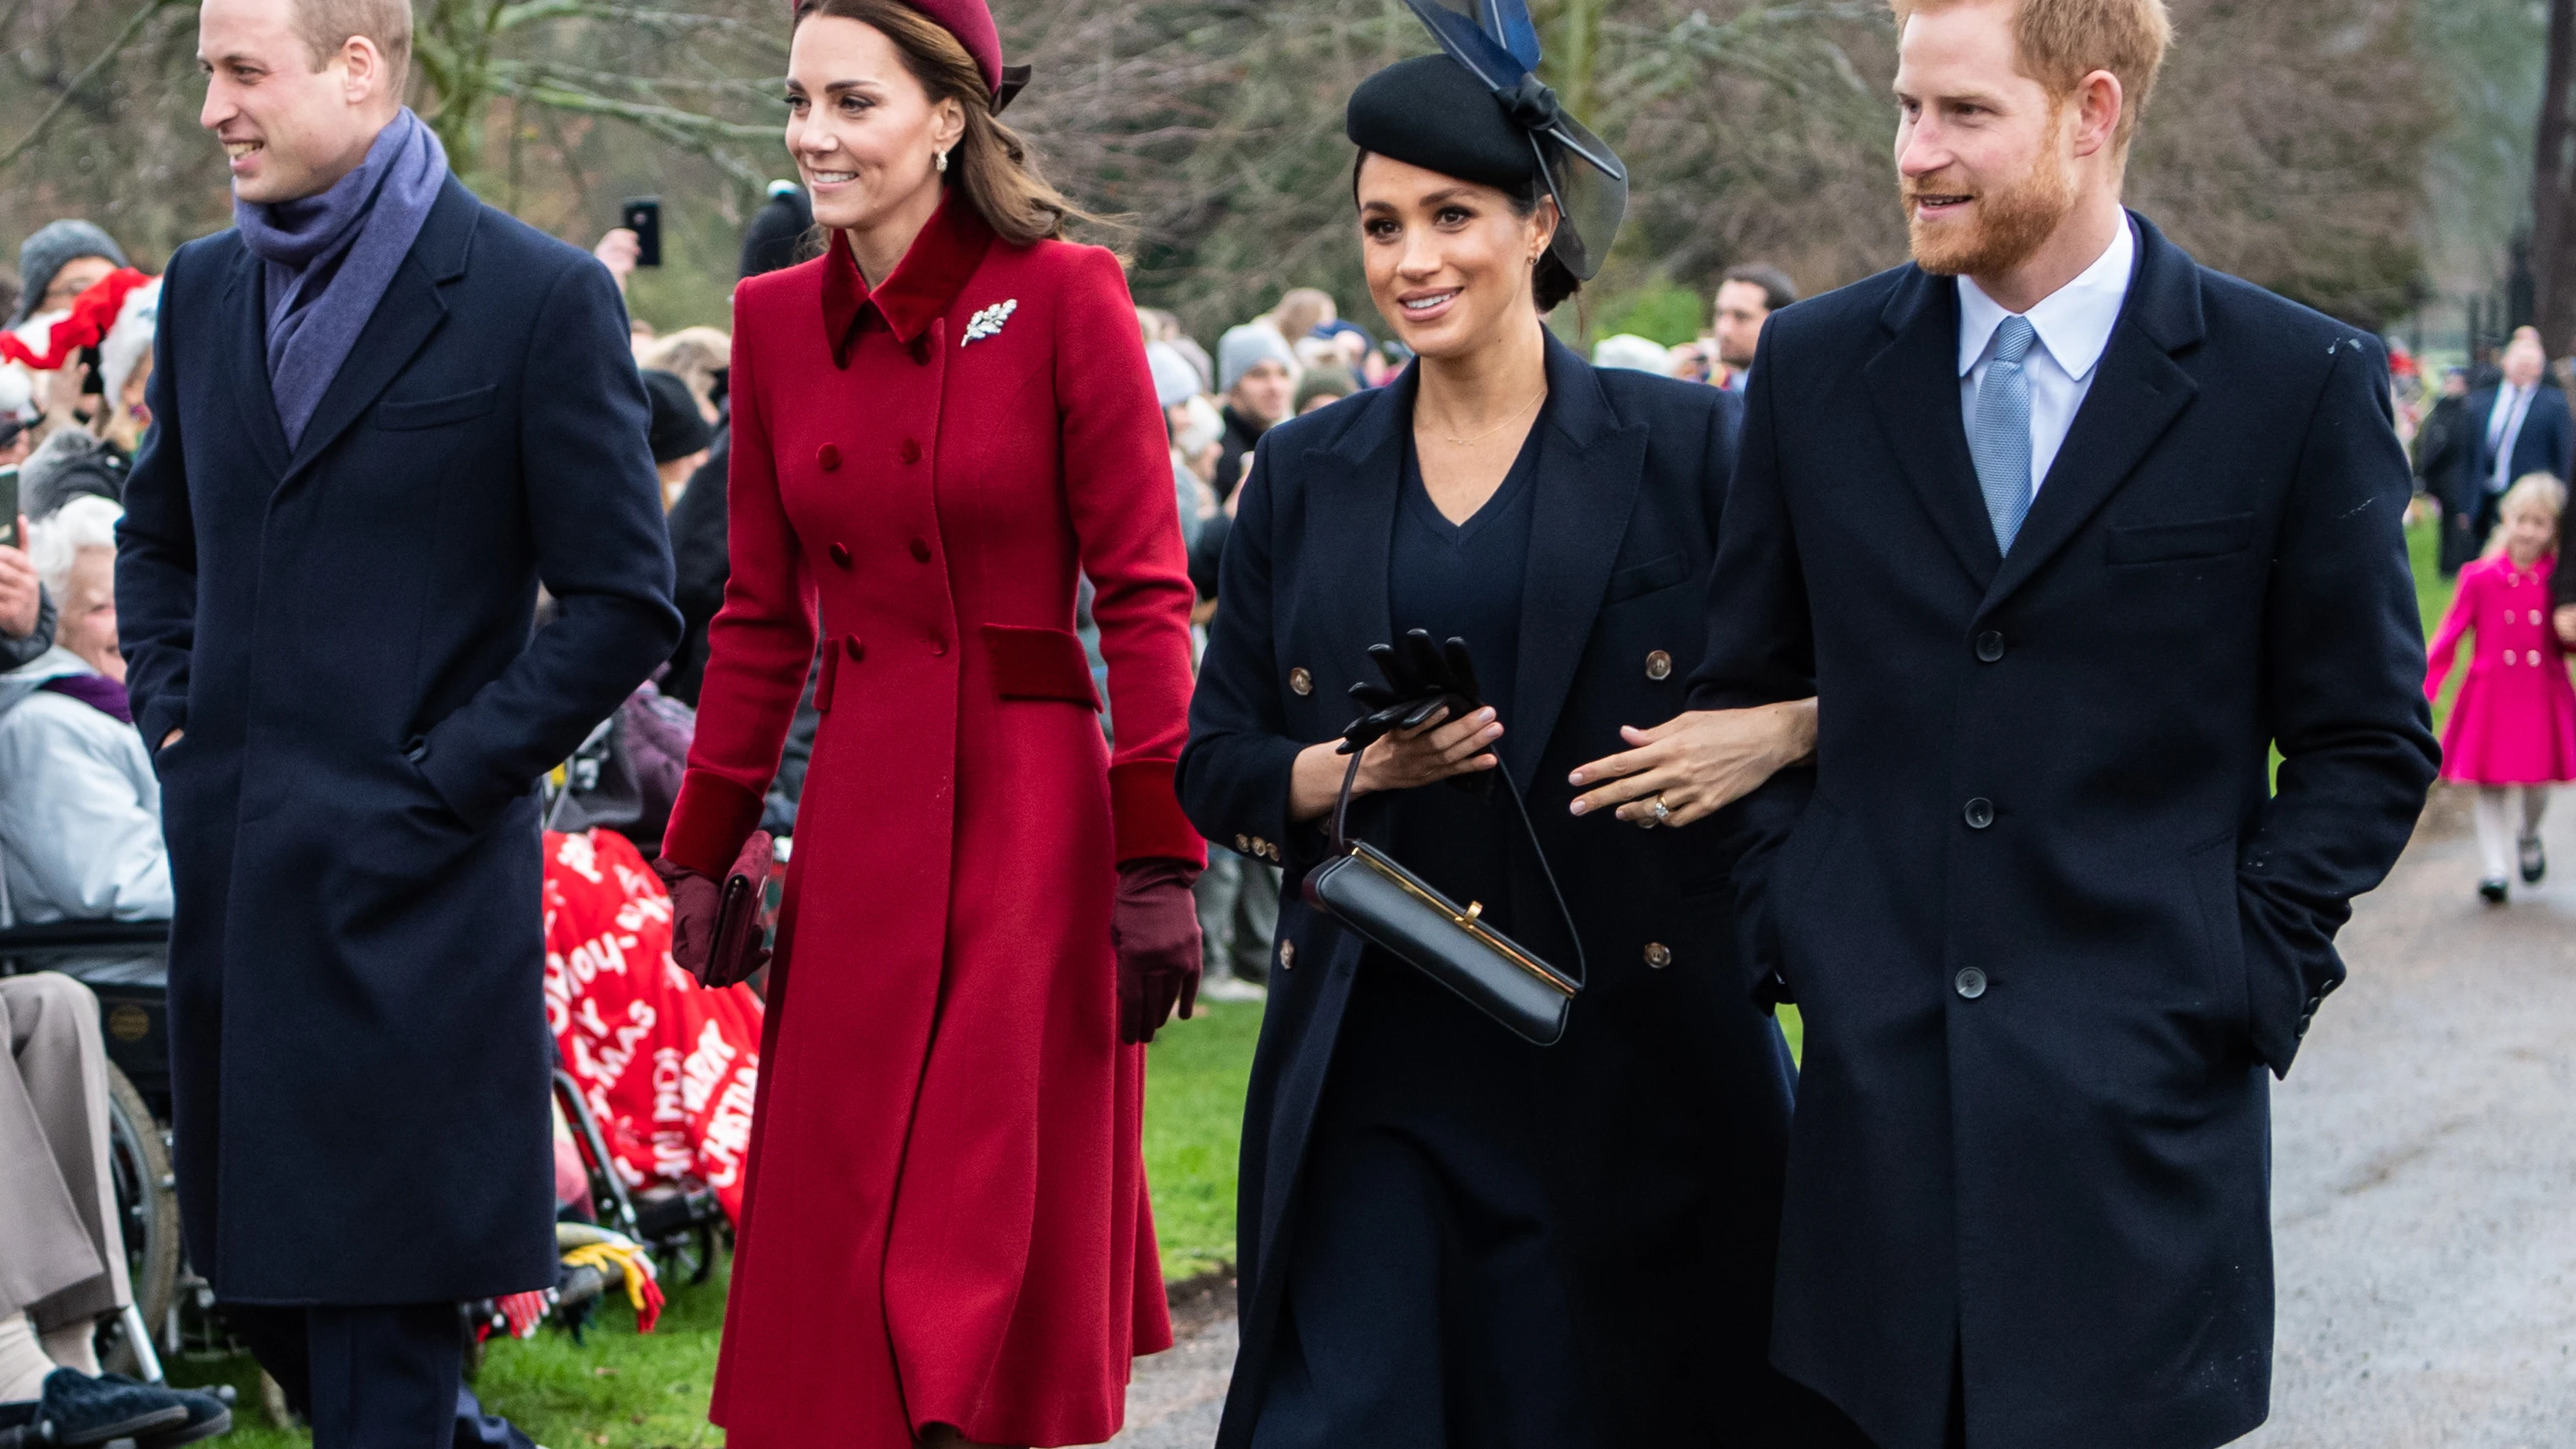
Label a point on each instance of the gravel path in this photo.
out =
(2424, 1183)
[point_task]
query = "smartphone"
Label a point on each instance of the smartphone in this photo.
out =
(643, 216)
(9, 507)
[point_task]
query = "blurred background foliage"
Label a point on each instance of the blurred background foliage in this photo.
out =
(2350, 153)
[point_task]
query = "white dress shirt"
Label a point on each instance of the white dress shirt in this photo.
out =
(2074, 326)
(2504, 429)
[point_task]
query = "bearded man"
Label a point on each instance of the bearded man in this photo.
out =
(383, 413)
(2065, 531)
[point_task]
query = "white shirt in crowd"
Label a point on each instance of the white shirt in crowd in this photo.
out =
(2074, 325)
(2504, 428)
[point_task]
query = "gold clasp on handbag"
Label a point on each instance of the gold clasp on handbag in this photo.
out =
(1475, 909)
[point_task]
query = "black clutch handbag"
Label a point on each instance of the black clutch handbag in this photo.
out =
(1369, 892)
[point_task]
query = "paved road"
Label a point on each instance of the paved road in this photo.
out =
(2424, 1188)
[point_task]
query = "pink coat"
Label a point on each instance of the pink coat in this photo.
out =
(2515, 720)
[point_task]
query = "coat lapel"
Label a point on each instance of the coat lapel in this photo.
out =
(409, 315)
(1914, 382)
(2138, 390)
(1350, 519)
(1589, 469)
(246, 321)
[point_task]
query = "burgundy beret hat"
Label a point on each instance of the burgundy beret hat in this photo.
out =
(971, 21)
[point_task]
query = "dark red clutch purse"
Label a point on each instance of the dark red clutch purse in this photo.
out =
(742, 927)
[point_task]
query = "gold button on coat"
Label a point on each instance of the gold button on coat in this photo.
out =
(1301, 681)
(1287, 955)
(1658, 955)
(1659, 665)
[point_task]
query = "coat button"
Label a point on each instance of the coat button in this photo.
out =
(1990, 647)
(840, 553)
(910, 452)
(1979, 814)
(920, 551)
(1659, 665)
(1658, 955)
(853, 647)
(1287, 955)
(1300, 681)
(1970, 983)
(935, 645)
(827, 457)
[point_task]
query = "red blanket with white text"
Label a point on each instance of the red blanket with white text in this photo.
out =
(668, 1069)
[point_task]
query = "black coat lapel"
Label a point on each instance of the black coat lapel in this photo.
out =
(2138, 390)
(409, 314)
(245, 311)
(1589, 467)
(1350, 521)
(1914, 381)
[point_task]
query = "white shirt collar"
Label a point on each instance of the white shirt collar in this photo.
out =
(2074, 322)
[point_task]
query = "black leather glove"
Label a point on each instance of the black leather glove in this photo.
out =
(1420, 678)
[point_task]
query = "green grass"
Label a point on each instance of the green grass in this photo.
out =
(616, 1390)
(1194, 1085)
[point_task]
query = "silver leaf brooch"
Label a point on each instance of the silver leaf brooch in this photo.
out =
(989, 321)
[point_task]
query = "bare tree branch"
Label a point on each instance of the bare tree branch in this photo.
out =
(116, 47)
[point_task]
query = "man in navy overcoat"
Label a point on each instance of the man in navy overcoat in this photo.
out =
(2065, 531)
(385, 412)
(2521, 425)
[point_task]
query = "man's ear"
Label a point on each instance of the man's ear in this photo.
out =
(2099, 104)
(362, 71)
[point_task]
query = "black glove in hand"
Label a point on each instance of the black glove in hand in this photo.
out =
(1420, 678)
(1154, 927)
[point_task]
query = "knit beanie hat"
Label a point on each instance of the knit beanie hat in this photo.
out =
(1242, 347)
(679, 429)
(1175, 381)
(1332, 382)
(56, 245)
(69, 463)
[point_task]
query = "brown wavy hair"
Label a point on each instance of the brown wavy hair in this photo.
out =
(990, 162)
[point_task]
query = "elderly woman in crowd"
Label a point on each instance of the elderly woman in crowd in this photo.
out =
(80, 808)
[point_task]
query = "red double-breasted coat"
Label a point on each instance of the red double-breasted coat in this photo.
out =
(947, 1220)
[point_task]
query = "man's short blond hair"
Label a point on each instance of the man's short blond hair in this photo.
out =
(2063, 41)
(326, 25)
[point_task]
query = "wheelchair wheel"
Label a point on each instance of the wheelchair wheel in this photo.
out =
(147, 1210)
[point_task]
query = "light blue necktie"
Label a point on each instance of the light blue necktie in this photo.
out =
(2000, 441)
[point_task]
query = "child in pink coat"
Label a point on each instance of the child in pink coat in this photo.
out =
(2513, 727)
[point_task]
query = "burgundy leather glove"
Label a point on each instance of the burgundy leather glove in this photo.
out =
(1154, 924)
(699, 943)
(694, 901)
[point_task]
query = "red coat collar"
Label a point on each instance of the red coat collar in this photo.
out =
(922, 286)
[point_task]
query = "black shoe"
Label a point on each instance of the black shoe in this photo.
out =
(82, 1410)
(2535, 861)
(2493, 890)
(207, 1415)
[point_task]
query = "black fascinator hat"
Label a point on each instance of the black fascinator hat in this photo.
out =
(1477, 112)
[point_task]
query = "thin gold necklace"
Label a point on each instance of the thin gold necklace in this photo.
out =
(1458, 442)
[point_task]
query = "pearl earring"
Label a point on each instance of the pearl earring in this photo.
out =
(939, 160)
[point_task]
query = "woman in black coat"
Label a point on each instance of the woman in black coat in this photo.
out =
(1450, 1236)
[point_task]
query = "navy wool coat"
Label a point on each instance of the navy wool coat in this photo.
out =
(358, 1029)
(1669, 1096)
(2046, 917)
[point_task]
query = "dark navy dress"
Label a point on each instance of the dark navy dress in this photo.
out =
(1426, 1304)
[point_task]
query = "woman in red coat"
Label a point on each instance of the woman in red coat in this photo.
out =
(938, 427)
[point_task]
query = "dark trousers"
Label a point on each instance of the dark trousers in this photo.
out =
(373, 1378)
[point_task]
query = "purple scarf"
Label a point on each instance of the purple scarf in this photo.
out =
(331, 256)
(95, 690)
